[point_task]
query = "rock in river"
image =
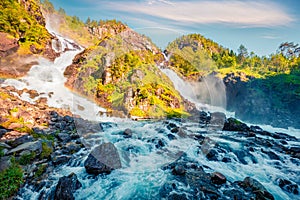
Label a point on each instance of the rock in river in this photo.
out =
(66, 187)
(103, 159)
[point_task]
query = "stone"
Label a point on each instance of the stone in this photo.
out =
(21, 140)
(35, 146)
(232, 124)
(64, 137)
(218, 178)
(178, 170)
(103, 159)
(127, 133)
(288, 186)
(66, 187)
(257, 188)
(4, 163)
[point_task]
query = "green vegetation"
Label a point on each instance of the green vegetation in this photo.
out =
(1, 152)
(40, 171)
(10, 180)
(24, 25)
(27, 158)
(194, 56)
(131, 82)
(87, 33)
(46, 150)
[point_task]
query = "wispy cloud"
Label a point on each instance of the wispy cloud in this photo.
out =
(233, 12)
(270, 37)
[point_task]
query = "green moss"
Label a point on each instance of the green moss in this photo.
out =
(10, 180)
(46, 150)
(26, 158)
(40, 171)
(1, 152)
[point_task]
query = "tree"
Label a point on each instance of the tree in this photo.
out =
(289, 49)
(242, 54)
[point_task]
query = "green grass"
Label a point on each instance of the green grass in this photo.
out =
(46, 150)
(26, 159)
(10, 180)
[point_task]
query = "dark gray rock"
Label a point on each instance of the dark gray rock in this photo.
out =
(127, 133)
(288, 186)
(64, 137)
(4, 163)
(257, 188)
(218, 178)
(232, 124)
(103, 159)
(35, 146)
(21, 140)
(66, 187)
(179, 170)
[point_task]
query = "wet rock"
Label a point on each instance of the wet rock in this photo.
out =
(212, 155)
(64, 137)
(176, 196)
(288, 186)
(178, 170)
(59, 160)
(237, 194)
(127, 133)
(66, 187)
(257, 188)
(232, 124)
(103, 159)
(218, 178)
(271, 154)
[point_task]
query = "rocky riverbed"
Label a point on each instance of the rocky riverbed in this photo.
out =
(204, 157)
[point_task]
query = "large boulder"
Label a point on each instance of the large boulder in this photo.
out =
(257, 188)
(232, 124)
(66, 187)
(103, 159)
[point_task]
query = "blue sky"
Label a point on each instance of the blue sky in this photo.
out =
(260, 25)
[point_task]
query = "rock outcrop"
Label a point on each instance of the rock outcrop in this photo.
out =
(66, 187)
(103, 159)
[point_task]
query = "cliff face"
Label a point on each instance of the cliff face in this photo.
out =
(121, 73)
(264, 101)
(23, 36)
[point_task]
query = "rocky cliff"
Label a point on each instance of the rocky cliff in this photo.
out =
(121, 73)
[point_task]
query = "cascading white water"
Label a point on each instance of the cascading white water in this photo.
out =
(48, 80)
(142, 176)
(206, 95)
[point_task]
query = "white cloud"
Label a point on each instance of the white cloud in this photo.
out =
(234, 12)
(271, 37)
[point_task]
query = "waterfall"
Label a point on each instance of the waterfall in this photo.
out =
(48, 80)
(209, 94)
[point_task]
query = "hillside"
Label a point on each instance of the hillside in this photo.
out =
(120, 73)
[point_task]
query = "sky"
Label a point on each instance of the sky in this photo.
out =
(260, 25)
